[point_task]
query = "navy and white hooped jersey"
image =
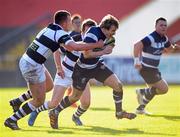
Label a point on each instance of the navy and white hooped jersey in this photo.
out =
(46, 42)
(93, 35)
(70, 58)
(153, 46)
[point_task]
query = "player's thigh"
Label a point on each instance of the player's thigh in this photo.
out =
(49, 81)
(58, 93)
(113, 82)
(86, 96)
(161, 86)
(60, 86)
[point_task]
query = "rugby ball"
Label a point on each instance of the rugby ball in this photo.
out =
(110, 41)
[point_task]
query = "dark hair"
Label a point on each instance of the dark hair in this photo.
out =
(109, 21)
(61, 16)
(75, 16)
(88, 22)
(161, 18)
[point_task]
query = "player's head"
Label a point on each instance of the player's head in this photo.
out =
(161, 26)
(63, 18)
(76, 22)
(86, 24)
(109, 24)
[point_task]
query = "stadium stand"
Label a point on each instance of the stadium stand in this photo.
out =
(20, 21)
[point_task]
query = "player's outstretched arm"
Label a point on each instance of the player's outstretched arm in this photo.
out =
(80, 46)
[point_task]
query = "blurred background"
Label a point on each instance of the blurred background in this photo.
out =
(21, 20)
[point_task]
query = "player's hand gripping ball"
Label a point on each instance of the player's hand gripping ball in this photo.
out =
(110, 41)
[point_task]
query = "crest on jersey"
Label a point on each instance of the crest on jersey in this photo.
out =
(83, 80)
(102, 67)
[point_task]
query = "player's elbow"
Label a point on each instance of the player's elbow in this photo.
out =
(138, 45)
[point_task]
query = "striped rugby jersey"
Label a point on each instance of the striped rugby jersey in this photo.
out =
(153, 46)
(93, 35)
(47, 41)
(70, 58)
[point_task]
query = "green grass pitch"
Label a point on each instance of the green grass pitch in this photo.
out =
(99, 120)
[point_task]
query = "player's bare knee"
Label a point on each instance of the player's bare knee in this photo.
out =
(164, 90)
(49, 88)
(53, 104)
(119, 87)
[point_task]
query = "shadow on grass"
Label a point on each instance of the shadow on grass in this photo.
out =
(100, 109)
(109, 131)
(51, 131)
(168, 117)
(93, 130)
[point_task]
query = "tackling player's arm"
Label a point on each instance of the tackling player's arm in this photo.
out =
(80, 46)
(63, 37)
(137, 54)
(57, 61)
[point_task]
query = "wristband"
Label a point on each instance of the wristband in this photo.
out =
(137, 60)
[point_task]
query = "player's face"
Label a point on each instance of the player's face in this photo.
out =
(111, 31)
(68, 24)
(161, 27)
(76, 24)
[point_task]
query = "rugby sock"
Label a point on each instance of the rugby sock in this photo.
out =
(117, 96)
(79, 111)
(69, 92)
(141, 107)
(149, 93)
(63, 104)
(24, 97)
(26, 109)
(42, 108)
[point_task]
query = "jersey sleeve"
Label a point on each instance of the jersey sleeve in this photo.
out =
(63, 37)
(146, 41)
(62, 50)
(90, 36)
